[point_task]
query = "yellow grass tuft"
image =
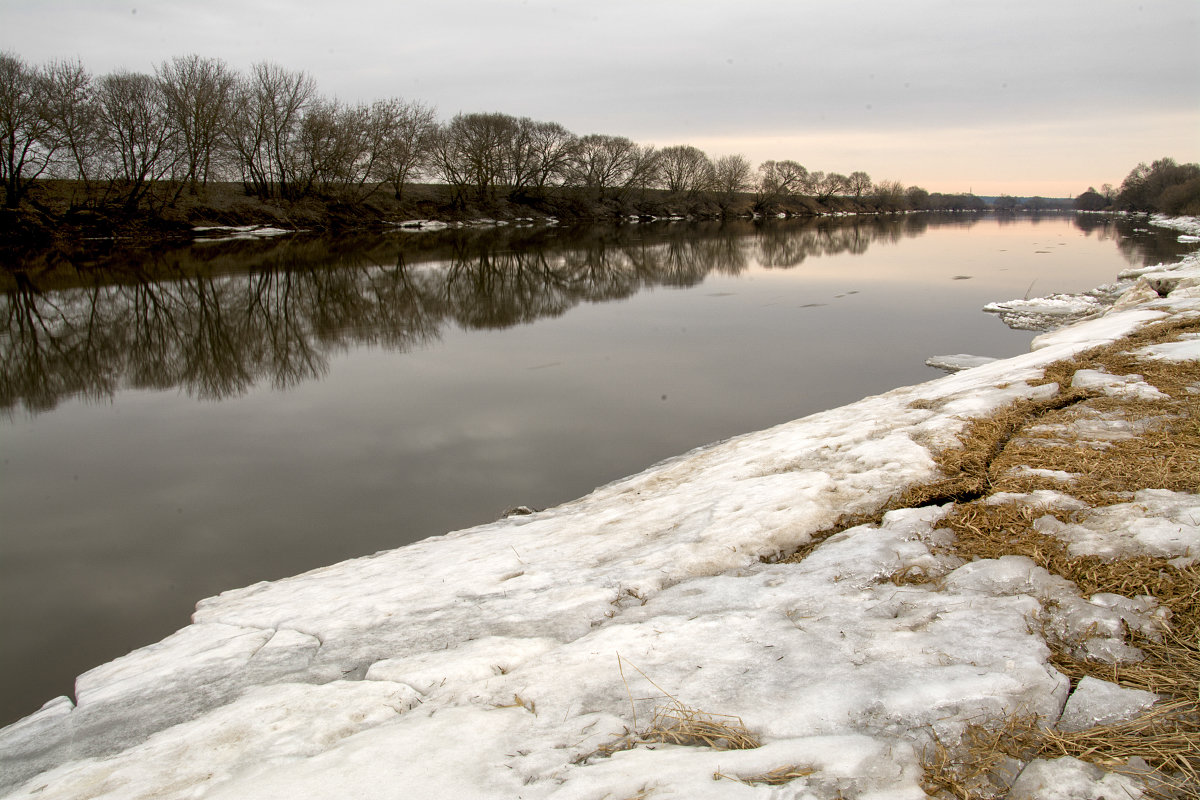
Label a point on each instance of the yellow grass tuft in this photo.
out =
(675, 722)
(776, 777)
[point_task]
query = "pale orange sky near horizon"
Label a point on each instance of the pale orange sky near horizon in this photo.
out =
(1028, 97)
(1050, 160)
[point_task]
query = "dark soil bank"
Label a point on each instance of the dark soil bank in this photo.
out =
(61, 211)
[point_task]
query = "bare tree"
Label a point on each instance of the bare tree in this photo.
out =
(916, 198)
(25, 133)
(69, 95)
(265, 131)
(778, 180)
(601, 162)
(610, 165)
(138, 133)
(858, 184)
(824, 186)
(684, 169)
(731, 176)
(889, 195)
(472, 153)
(199, 94)
(335, 151)
(550, 148)
(402, 134)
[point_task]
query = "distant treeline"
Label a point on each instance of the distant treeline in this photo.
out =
(139, 144)
(1163, 186)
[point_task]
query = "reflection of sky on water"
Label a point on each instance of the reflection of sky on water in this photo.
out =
(120, 514)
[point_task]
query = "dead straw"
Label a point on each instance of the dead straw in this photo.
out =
(1162, 745)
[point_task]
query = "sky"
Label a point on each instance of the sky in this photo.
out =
(1024, 97)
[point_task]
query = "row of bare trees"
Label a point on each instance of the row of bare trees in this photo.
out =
(196, 120)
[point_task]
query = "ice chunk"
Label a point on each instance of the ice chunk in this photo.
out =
(1024, 471)
(957, 362)
(1068, 778)
(1130, 387)
(1046, 313)
(1186, 349)
(1158, 522)
(1096, 702)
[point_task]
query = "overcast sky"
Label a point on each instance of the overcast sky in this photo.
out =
(1019, 96)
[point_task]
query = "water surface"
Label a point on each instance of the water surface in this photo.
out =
(178, 422)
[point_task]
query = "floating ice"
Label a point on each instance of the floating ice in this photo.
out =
(957, 362)
(226, 232)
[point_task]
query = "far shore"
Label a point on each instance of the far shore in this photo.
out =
(60, 212)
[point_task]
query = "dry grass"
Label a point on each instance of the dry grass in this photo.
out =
(776, 777)
(675, 722)
(1162, 745)
(1166, 737)
(967, 469)
(978, 768)
(1165, 454)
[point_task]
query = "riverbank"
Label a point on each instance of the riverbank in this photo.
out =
(65, 212)
(822, 581)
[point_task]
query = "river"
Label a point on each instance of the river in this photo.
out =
(183, 420)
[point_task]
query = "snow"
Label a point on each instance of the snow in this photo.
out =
(1033, 472)
(499, 661)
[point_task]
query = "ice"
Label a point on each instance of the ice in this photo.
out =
(422, 225)
(509, 660)
(1047, 499)
(1096, 702)
(1043, 313)
(957, 362)
(1189, 225)
(1157, 523)
(230, 232)
(1129, 387)
(1186, 349)
(1071, 779)
(1023, 471)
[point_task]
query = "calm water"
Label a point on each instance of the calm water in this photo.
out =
(180, 422)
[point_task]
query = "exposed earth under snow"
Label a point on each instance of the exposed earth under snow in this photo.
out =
(522, 658)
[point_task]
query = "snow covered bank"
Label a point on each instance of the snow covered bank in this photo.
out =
(484, 663)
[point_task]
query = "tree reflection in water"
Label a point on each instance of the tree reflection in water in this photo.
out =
(217, 318)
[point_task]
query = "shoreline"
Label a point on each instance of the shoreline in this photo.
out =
(60, 218)
(515, 656)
